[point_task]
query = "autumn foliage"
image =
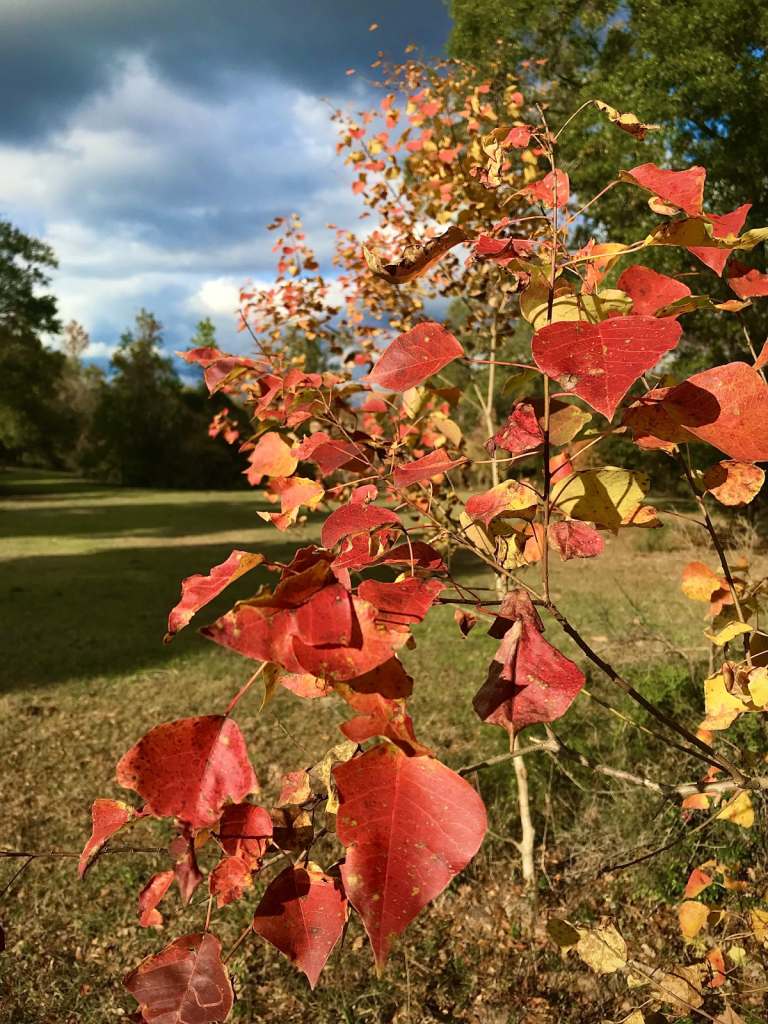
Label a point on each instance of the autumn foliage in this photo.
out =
(377, 448)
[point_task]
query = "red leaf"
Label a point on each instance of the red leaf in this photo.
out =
(746, 281)
(184, 984)
(410, 825)
(244, 832)
(650, 291)
(187, 769)
(401, 603)
(600, 362)
(349, 519)
(509, 498)
(648, 418)
(203, 356)
(418, 554)
(521, 433)
(722, 226)
(500, 250)
(197, 591)
(372, 643)
(272, 456)
(519, 136)
(390, 680)
(378, 716)
(697, 883)
(727, 406)
(425, 468)
(229, 880)
(574, 540)
(302, 914)
(109, 818)
(529, 681)
(413, 357)
(683, 189)
(465, 620)
(187, 873)
(151, 895)
(544, 191)
(295, 491)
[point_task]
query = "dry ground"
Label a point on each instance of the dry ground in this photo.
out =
(88, 578)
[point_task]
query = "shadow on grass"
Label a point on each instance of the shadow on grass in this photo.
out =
(79, 616)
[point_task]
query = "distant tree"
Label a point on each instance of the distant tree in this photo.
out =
(148, 429)
(35, 426)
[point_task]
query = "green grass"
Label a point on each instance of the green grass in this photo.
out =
(88, 577)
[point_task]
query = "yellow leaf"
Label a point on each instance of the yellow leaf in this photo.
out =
(732, 630)
(722, 708)
(627, 122)
(270, 677)
(737, 954)
(563, 934)
(693, 917)
(602, 496)
(758, 686)
(759, 922)
(740, 811)
(447, 427)
(644, 516)
(323, 771)
(603, 949)
(590, 308)
(699, 582)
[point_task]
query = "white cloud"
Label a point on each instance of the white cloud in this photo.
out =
(155, 197)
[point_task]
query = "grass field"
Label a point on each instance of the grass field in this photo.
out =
(88, 577)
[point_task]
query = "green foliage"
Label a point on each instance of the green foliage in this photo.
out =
(696, 69)
(148, 430)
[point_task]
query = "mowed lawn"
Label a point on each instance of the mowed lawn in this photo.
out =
(88, 577)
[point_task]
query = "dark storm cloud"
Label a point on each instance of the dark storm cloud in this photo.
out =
(150, 141)
(54, 53)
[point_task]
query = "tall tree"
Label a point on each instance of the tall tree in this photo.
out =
(698, 69)
(35, 426)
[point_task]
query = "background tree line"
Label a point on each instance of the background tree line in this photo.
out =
(138, 425)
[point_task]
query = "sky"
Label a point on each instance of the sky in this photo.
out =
(150, 142)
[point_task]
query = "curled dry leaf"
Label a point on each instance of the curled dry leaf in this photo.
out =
(680, 989)
(413, 357)
(184, 984)
(410, 825)
(734, 484)
(302, 914)
(603, 949)
(465, 620)
(416, 259)
(189, 768)
(728, 633)
(529, 681)
(627, 122)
